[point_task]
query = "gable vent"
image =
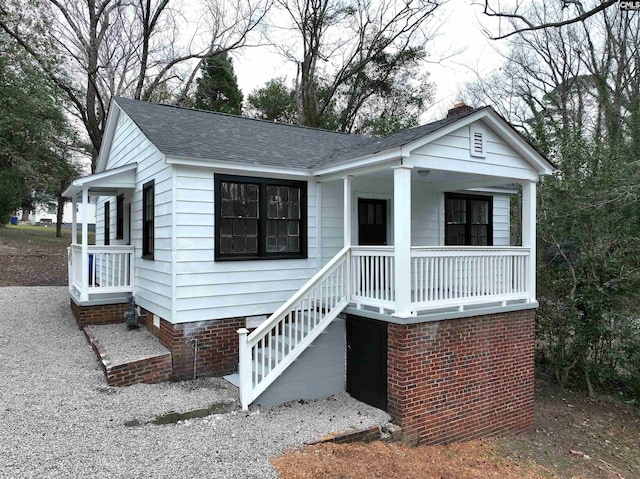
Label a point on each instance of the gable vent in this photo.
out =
(476, 138)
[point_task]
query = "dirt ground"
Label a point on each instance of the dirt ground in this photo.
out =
(573, 437)
(33, 256)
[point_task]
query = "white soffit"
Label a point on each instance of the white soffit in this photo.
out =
(104, 183)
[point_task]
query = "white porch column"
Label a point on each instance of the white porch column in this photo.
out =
(529, 233)
(347, 210)
(74, 220)
(84, 293)
(402, 239)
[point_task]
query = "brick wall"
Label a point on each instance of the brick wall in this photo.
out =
(156, 369)
(103, 314)
(217, 342)
(462, 379)
(151, 370)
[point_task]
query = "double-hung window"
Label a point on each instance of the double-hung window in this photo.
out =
(148, 225)
(260, 218)
(468, 220)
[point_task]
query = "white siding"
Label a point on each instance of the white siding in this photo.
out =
(501, 221)
(425, 216)
(152, 277)
(452, 153)
(332, 219)
(208, 289)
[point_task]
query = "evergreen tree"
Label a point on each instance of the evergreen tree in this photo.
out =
(274, 101)
(217, 89)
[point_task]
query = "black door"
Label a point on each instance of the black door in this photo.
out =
(367, 361)
(372, 222)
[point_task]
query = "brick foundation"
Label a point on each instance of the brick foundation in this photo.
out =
(156, 369)
(102, 314)
(217, 342)
(151, 370)
(462, 379)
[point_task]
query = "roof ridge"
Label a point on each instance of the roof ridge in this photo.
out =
(241, 117)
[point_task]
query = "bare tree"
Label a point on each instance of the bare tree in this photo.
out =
(135, 48)
(567, 12)
(348, 52)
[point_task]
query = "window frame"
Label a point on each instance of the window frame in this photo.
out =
(148, 241)
(467, 233)
(262, 183)
(120, 217)
(107, 223)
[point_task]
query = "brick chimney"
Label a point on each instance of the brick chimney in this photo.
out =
(459, 107)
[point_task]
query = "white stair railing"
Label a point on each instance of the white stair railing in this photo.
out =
(276, 343)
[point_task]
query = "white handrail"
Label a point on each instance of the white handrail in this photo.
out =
(285, 308)
(274, 345)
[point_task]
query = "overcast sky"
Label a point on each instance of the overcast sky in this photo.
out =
(459, 31)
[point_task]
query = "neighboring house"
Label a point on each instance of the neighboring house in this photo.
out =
(44, 214)
(382, 266)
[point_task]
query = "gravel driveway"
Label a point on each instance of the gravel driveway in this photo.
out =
(58, 418)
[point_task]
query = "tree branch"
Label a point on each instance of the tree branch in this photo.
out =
(489, 11)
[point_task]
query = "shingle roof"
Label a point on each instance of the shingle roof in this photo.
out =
(377, 145)
(209, 135)
(218, 136)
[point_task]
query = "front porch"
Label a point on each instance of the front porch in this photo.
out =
(101, 274)
(386, 272)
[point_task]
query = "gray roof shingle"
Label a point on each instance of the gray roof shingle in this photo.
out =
(209, 135)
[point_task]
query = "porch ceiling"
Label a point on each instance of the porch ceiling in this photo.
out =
(438, 180)
(107, 183)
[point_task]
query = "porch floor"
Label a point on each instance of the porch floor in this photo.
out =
(99, 298)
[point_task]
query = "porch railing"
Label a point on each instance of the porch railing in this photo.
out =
(440, 276)
(109, 269)
(373, 276)
(464, 275)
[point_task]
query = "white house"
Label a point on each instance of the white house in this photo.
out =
(47, 215)
(382, 265)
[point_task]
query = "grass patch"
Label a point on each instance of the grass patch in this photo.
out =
(38, 239)
(34, 256)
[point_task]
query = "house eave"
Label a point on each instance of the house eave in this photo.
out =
(359, 164)
(112, 121)
(105, 182)
(237, 168)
